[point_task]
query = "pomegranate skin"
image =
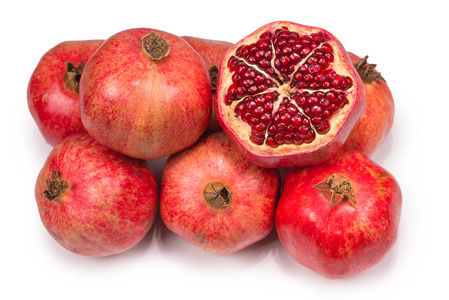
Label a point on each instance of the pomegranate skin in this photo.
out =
(376, 121)
(285, 155)
(109, 202)
(345, 239)
(54, 106)
(142, 108)
(212, 51)
(213, 226)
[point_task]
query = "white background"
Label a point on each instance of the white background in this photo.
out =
(407, 39)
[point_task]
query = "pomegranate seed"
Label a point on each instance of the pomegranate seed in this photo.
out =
(257, 141)
(258, 135)
(266, 35)
(282, 128)
(279, 138)
(316, 110)
(265, 118)
(304, 131)
(258, 111)
(271, 142)
(239, 109)
(246, 116)
(314, 68)
(329, 56)
(310, 137)
(296, 121)
(253, 121)
(326, 47)
(264, 63)
(260, 127)
(297, 140)
(323, 128)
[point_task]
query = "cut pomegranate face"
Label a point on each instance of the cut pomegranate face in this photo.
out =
(288, 95)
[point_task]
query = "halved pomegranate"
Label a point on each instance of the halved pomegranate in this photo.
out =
(288, 95)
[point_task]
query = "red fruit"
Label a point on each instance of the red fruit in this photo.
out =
(214, 198)
(288, 95)
(376, 121)
(341, 217)
(145, 93)
(94, 201)
(53, 96)
(212, 51)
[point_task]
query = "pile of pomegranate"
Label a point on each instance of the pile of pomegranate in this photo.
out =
(228, 117)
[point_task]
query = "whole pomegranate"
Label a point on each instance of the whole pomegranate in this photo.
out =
(53, 89)
(212, 51)
(214, 198)
(94, 201)
(288, 95)
(376, 121)
(340, 217)
(145, 93)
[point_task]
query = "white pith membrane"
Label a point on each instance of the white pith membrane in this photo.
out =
(242, 129)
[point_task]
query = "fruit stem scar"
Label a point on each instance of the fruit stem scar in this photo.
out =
(367, 71)
(340, 188)
(217, 195)
(72, 76)
(213, 72)
(55, 186)
(155, 46)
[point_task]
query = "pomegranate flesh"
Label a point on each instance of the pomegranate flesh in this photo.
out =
(288, 95)
(94, 201)
(212, 51)
(53, 89)
(341, 217)
(145, 93)
(214, 198)
(376, 121)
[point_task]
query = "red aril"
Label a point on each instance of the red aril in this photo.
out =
(214, 198)
(145, 93)
(376, 121)
(288, 95)
(340, 217)
(94, 201)
(212, 51)
(53, 89)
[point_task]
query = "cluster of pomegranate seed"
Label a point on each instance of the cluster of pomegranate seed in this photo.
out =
(291, 49)
(315, 73)
(257, 112)
(295, 70)
(246, 81)
(289, 126)
(320, 107)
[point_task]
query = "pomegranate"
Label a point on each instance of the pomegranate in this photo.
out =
(340, 217)
(376, 121)
(212, 51)
(214, 198)
(53, 89)
(288, 95)
(94, 201)
(145, 93)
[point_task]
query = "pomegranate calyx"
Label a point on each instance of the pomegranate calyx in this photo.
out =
(217, 195)
(367, 71)
(155, 46)
(55, 186)
(72, 76)
(213, 72)
(340, 188)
